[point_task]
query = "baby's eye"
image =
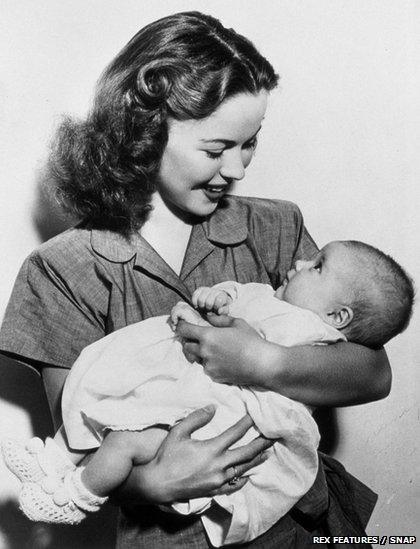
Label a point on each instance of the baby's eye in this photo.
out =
(251, 144)
(214, 154)
(317, 267)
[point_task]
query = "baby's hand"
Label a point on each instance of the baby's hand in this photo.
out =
(183, 311)
(212, 299)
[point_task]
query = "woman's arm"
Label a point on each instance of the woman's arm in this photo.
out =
(335, 375)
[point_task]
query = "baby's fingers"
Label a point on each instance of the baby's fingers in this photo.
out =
(174, 317)
(200, 297)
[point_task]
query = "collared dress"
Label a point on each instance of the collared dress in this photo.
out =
(86, 283)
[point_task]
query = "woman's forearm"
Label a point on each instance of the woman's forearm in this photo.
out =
(335, 375)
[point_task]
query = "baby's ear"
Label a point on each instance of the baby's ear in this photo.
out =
(341, 317)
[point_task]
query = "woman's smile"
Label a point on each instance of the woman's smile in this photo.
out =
(214, 193)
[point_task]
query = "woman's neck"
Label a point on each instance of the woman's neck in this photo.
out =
(166, 233)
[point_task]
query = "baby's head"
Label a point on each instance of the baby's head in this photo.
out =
(355, 288)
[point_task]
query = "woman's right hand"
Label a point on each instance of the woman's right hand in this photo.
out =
(185, 468)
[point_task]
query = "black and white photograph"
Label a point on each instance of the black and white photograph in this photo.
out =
(208, 299)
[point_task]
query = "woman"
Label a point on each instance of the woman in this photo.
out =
(173, 126)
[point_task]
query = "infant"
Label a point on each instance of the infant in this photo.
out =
(125, 385)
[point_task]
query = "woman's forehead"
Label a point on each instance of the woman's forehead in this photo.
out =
(236, 119)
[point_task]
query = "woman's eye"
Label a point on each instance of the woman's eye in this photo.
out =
(214, 154)
(317, 267)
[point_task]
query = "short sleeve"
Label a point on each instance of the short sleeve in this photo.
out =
(47, 319)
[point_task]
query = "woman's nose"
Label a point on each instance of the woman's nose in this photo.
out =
(233, 165)
(300, 264)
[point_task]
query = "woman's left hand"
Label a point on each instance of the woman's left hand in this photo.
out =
(230, 350)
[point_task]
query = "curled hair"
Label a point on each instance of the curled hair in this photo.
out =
(383, 297)
(182, 66)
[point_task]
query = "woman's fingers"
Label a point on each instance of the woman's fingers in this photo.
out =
(220, 321)
(191, 351)
(233, 434)
(189, 331)
(249, 451)
(192, 422)
(240, 469)
(229, 488)
(234, 475)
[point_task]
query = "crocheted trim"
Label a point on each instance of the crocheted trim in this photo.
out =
(78, 492)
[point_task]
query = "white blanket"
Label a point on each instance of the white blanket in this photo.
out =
(138, 376)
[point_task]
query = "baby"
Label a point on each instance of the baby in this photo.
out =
(125, 385)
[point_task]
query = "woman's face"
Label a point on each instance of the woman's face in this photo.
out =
(203, 158)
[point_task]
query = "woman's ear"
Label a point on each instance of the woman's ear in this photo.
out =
(341, 317)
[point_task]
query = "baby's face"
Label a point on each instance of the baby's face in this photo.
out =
(322, 284)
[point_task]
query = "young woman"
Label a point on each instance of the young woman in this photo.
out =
(174, 125)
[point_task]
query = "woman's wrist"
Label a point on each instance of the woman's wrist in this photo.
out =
(268, 365)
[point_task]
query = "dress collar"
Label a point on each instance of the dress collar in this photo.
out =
(113, 246)
(227, 226)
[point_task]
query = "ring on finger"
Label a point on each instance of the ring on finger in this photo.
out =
(234, 480)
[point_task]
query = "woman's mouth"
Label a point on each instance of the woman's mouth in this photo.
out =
(213, 192)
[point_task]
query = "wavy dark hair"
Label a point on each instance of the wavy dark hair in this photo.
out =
(182, 66)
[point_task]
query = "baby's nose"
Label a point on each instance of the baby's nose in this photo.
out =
(300, 264)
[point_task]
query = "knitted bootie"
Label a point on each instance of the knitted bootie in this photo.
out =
(64, 501)
(40, 505)
(35, 460)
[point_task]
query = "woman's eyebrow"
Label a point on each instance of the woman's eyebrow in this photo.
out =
(228, 142)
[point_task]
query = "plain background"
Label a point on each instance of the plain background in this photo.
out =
(341, 139)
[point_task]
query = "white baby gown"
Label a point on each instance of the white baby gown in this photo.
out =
(138, 376)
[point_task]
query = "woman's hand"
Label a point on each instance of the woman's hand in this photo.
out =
(342, 374)
(230, 351)
(185, 468)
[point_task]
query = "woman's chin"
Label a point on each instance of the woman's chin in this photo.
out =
(203, 209)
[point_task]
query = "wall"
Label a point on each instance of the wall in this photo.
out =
(341, 139)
